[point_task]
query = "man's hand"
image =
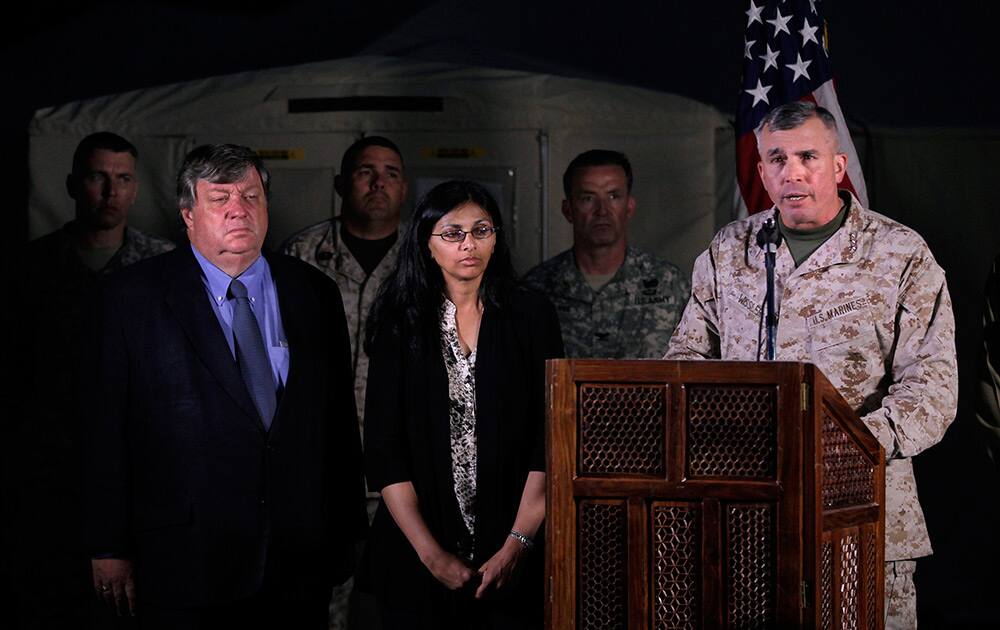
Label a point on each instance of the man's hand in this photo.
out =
(114, 584)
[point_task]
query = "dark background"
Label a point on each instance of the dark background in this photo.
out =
(914, 65)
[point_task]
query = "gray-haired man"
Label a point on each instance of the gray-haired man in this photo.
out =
(861, 297)
(225, 483)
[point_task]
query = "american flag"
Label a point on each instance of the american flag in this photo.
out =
(785, 59)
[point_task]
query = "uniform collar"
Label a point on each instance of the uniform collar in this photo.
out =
(842, 247)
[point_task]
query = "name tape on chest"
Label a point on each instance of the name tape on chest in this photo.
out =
(836, 312)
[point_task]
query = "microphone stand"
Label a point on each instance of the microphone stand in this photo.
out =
(768, 239)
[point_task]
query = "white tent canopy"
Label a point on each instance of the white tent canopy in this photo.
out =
(514, 131)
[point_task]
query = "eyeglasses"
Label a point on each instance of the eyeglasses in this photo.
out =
(480, 232)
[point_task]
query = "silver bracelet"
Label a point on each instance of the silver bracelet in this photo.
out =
(526, 542)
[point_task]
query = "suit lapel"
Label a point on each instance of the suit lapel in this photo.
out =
(187, 299)
(295, 302)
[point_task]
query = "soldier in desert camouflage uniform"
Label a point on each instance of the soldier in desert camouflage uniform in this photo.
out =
(868, 305)
(614, 301)
(372, 185)
(61, 274)
(358, 249)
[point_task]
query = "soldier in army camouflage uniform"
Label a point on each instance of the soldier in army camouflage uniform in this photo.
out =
(358, 249)
(861, 297)
(613, 301)
(61, 274)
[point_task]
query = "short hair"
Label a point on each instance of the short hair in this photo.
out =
(596, 157)
(353, 152)
(795, 114)
(217, 164)
(102, 140)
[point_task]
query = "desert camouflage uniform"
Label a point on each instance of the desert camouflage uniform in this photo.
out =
(871, 309)
(320, 246)
(631, 317)
(57, 249)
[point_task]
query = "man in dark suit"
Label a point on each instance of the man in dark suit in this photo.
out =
(224, 471)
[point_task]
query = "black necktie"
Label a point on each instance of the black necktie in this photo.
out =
(251, 354)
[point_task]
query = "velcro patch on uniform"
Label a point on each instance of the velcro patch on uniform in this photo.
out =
(836, 312)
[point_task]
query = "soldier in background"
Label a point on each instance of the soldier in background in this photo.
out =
(358, 249)
(861, 297)
(614, 301)
(51, 570)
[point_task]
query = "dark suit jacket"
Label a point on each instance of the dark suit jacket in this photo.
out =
(182, 477)
(407, 438)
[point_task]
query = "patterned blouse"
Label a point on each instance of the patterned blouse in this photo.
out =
(462, 414)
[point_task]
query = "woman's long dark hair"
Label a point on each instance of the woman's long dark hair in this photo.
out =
(408, 302)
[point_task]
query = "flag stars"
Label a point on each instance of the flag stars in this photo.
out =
(753, 15)
(798, 68)
(747, 45)
(812, 7)
(780, 23)
(770, 58)
(808, 33)
(759, 93)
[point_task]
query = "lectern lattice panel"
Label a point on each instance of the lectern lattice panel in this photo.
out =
(676, 566)
(603, 555)
(849, 582)
(871, 577)
(848, 477)
(751, 568)
(732, 432)
(826, 587)
(621, 429)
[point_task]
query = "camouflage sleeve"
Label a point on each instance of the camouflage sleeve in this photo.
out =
(922, 398)
(697, 334)
(292, 247)
(988, 399)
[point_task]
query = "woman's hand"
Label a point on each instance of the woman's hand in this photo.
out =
(501, 569)
(448, 569)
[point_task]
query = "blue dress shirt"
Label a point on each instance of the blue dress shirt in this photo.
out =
(264, 302)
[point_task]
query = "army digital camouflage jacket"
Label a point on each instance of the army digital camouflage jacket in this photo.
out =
(320, 246)
(631, 317)
(870, 308)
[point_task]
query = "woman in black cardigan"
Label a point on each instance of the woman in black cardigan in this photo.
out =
(454, 424)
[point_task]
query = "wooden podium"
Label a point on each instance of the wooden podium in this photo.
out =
(709, 494)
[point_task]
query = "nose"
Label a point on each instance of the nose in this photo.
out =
(238, 207)
(603, 206)
(794, 171)
(376, 181)
(468, 242)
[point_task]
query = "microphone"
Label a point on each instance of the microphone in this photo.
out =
(768, 239)
(769, 236)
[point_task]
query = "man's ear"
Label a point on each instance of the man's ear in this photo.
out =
(630, 207)
(840, 166)
(567, 210)
(186, 217)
